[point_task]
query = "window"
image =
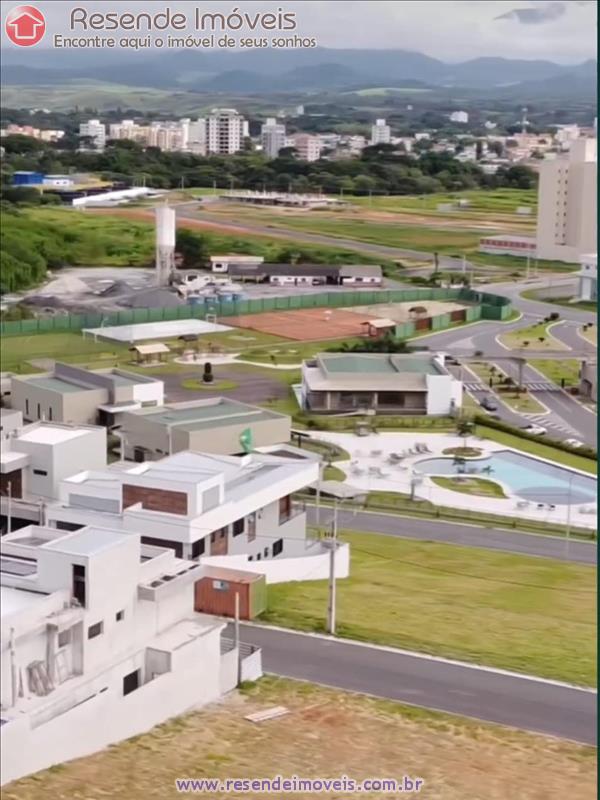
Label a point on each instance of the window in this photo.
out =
(50, 413)
(285, 508)
(198, 548)
(27, 405)
(131, 682)
(95, 630)
(78, 584)
(64, 637)
(277, 547)
(251, 526)
(120, 615)
(221, 586)
(266, 552)
(238, 527)
(39, 411)
(40, 472)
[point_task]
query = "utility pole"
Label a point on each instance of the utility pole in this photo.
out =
(568, 529)
(9, 507)
(528, 265)
(321, 470)
(236, 636)
(332, 586)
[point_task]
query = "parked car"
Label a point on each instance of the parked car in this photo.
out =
(535, 430)
(574, 443)
(489, 404)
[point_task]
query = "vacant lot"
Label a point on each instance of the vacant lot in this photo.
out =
(556, 371)
(529, 614)
(327, 734)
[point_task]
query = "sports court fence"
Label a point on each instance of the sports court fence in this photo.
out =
(483, 306)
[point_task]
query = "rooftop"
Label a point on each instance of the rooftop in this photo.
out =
(48, 433)
(58, 384)
(86, 541)
(13, 600)
(205, 414)
(380, 364)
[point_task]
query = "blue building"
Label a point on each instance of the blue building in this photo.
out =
(23, 178)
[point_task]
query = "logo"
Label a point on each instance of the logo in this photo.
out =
(25, 26)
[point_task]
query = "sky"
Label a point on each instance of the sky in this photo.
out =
(451, 30)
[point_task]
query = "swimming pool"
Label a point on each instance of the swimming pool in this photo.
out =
(527, 477)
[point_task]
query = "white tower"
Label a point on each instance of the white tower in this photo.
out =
(165, 244)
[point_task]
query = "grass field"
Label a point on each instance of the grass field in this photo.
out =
(538, 294)
(538, 449)
(527, 614)
(480, 487)
(534, 337)
(327, 733)
(497, 201)
(556, 370)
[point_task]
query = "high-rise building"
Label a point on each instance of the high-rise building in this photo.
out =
(307, 146)
(224, 131)
(96, 131)
(380, 132)
(197, 137)
(566, 222)
(272, 137)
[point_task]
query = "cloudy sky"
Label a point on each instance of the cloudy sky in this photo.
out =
(452, 30)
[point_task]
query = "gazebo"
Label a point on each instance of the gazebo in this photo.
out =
(147, 354)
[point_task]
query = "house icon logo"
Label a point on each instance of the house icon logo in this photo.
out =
(25, 26)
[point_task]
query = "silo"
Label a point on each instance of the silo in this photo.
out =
(165, 244)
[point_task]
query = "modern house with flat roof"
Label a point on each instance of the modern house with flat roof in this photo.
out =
(588, 278)
(100, 642)
(83, 396)
(412, 384)
(197, 503)
(216, 425)
(35, 458)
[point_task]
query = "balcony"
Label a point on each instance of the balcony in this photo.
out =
(295, 510)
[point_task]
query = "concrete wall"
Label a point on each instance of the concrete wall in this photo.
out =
(311, 567)
(104, 716)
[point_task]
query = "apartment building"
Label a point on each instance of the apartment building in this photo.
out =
(35, 458)
(77, 395)
(588, 277)
(100, 642)
(224, 131)
(216, 425)
(95, 131)
(272, 137)
(307, 146)
(380, 132)
(566, 221)
(43, 134)
(386, 384)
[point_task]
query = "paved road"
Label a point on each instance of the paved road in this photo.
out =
(516, 701)
(537, 307)
(458, 533)
(567, 417)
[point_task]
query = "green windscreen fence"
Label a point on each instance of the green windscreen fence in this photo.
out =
(490, 306)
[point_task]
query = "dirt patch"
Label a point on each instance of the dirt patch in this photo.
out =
(308, 323)
(327, 734)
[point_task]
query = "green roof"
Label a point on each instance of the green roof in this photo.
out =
(58, 385)
(379, 364)
(216, 415)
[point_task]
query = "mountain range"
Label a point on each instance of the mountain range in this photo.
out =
(268, 70)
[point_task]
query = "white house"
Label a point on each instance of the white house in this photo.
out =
(100, 642)
(198, 504)
(35, 458)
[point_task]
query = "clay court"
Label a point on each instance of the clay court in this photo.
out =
(304, 324)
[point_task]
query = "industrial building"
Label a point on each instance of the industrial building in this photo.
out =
(284, 199)
(411, 384)
(80, 396)
(567, 202)
(308, 274)
(216, 425)
(101, 642)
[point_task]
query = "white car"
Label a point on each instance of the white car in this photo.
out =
(535, 430)
(574, 443)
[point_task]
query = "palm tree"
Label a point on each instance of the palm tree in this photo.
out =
(464, 428)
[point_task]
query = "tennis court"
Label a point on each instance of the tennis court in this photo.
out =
(304, 324)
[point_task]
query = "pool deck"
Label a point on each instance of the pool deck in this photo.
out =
(370, 454)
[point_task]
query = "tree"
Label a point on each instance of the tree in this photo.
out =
(192, 248)
(464, 428)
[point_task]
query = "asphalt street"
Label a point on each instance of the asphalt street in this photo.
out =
(461, 534)
(521, 702)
